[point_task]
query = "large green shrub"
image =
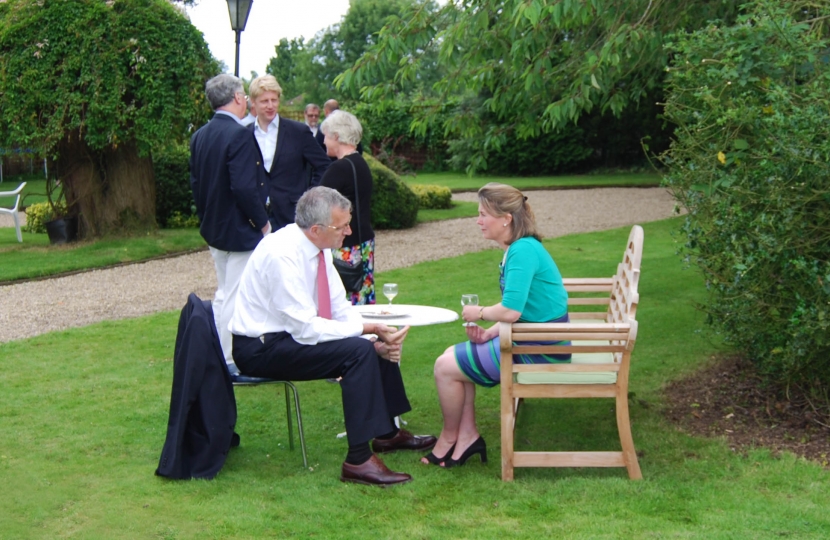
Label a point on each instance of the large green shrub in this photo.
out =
(750, 164)
(394, 205)
(173, 193)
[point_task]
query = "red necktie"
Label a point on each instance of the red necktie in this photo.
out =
(323, 294)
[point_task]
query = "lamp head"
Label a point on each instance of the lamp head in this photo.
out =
(239, 11)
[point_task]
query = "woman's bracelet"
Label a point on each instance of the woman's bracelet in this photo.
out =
(481, 313)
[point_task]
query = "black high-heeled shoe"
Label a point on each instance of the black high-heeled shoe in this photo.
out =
(478, 447)
(435, 460)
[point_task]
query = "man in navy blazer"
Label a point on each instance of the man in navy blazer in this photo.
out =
(287, 148)
(230, 190)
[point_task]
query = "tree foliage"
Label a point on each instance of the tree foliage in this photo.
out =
(128, 70)
(96, 86)
(526, 67)
(310, 67)
(287, 65)
(751, 164)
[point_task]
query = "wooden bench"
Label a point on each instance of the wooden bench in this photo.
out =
(602, 333)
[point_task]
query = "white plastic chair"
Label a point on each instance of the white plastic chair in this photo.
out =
(13, 211)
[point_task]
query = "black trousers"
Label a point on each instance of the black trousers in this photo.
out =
(372, 388)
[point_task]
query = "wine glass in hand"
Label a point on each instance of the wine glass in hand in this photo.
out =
(390, 291)
(469, 300)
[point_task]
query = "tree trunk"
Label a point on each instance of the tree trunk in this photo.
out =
(112, 191)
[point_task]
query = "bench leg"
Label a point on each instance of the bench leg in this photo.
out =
(626, 440)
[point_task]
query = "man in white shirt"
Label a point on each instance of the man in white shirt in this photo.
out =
(230, 193)
(292, 323)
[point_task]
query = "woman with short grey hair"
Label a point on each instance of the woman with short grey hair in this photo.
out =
(350, 175)
(345, 127)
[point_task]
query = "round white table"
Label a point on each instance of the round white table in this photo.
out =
(403, 315)
(406, 314)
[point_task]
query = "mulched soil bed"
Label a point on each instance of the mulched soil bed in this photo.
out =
(729, 399)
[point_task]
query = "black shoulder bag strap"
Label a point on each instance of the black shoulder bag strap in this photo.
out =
(356, 202)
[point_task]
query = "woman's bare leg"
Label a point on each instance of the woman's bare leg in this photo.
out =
(467, 429)
(456, 395)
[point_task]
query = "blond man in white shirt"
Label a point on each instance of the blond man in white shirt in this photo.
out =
(291, 157)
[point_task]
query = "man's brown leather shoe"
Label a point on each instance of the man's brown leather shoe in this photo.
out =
(374, 473)
(404, 440)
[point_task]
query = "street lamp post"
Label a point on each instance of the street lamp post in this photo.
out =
(239, 11)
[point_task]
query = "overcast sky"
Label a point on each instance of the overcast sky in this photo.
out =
(269, 21)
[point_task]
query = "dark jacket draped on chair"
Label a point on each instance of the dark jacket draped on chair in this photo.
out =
(200, 429)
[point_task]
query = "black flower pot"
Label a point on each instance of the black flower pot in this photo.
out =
(62, 230)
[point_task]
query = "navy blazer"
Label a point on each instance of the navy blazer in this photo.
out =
(200, 426)
(289, 177)
(228, 184)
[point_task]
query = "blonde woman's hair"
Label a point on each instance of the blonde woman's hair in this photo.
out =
(500, 200)
(262, 84)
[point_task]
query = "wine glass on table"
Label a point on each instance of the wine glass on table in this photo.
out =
(390, 291)
(469, 300)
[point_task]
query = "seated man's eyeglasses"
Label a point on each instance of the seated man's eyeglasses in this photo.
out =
(338, 229)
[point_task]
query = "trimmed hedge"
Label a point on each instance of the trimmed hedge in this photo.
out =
(394, 205)
(173, 193)
(433, 197)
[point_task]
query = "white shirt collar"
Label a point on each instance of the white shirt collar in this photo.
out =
(227, 113)
(273, 126)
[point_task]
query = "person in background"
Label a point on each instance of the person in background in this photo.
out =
(230, 190)
(350, 175)
(287, 149)
(312, 118)
(330, 106)
(532, 291)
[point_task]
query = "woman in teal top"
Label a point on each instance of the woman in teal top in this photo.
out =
(532, 291)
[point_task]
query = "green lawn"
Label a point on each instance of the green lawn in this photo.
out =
(84, 415)
(36, 258)
(458, 181)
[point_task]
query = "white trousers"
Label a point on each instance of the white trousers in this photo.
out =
(229, 266)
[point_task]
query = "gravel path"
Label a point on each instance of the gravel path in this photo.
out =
(37, 307)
